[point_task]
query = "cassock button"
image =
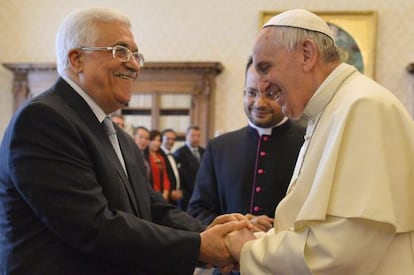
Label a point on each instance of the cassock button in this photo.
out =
(260, 171)
(258, 189)
(256, 208)
(262, 154)
(265, 138)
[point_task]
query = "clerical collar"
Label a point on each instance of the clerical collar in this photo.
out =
(266, 131)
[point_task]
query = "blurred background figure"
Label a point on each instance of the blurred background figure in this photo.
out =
(188, 158)
(119, 120)
(168, 139)
(159, 177)
(141, 138)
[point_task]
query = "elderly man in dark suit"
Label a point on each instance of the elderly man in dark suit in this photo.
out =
(74, 197)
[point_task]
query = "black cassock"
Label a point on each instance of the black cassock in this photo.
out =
(246, 173)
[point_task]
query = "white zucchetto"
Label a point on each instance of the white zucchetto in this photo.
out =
(303, 19)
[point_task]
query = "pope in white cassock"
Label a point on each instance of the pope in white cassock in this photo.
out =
(349, 208)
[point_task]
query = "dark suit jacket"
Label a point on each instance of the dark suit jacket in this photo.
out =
(187, 166)
(67, 207)
(243, 172)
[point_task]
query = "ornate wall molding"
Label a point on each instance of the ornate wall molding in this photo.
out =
(194, 78)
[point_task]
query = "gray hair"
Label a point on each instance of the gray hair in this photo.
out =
(290, 37)
(79, 30)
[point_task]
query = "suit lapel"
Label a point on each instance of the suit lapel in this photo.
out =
(132, 194)
(89, 119)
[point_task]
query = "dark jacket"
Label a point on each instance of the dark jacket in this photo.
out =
(243, 172)
(67, 206)
(187, 166)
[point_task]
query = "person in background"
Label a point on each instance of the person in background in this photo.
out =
(248, 170)
(168, 139)
(188, 158)
(159, 177)
(118, 120)
(349, 207)
(74, 198)
(141, 138)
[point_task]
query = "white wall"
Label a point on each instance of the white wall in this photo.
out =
(205, 30)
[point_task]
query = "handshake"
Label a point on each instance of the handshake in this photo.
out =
(223, 240)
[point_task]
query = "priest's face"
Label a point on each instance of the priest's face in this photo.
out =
(261, 108)
(284, 72)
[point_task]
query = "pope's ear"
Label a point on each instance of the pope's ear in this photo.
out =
(75, 60)
(310, 54)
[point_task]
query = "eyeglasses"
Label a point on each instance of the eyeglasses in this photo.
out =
(119, 52)
(268, 94)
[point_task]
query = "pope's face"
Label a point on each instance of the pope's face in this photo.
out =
(108, 80)
(283, 72)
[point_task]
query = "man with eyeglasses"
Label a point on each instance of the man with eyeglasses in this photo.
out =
(120, 52)
(74, 197)
(248, 170)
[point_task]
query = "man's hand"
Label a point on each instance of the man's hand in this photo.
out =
(166, 195)
(235, 240)
(262, 222)
(232, 217)
(212, 249)
(176, 195)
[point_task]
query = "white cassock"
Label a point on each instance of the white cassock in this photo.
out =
(350, 205)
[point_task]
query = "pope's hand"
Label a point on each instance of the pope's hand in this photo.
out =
(235, 240)
(212, 248)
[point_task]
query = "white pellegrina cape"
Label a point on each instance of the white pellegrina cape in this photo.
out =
(350, 206)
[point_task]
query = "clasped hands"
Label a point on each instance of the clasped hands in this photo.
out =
(222, 241)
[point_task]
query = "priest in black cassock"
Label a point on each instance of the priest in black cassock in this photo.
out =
(248, 170)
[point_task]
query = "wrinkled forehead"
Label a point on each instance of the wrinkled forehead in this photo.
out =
(265, 41)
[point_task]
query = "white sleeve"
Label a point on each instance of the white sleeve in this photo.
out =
(334, 246)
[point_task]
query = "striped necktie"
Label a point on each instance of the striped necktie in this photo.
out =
(196, 154)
